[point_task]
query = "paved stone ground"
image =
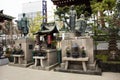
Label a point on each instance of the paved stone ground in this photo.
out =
(17, 73)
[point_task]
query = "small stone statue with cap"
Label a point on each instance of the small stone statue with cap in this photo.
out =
(82, 25)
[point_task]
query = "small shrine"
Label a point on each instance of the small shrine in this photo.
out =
(45, 53)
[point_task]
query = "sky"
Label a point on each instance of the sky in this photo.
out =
(14, 7)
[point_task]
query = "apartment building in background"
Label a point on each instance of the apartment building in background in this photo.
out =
(32, 8)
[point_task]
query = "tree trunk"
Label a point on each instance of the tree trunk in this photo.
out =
(101, 17)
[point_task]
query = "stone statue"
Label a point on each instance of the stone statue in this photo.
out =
(82, 25)
(73, 16)
(23, 25)
(75, 50)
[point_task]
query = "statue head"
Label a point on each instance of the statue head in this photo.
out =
(24, 14)
(72, 7)
(82, 16)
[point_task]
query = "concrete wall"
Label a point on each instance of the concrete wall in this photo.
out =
(26, 44)
(103, 45)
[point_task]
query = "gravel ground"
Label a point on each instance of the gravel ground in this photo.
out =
(18, 73)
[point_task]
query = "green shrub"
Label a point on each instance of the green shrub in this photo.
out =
(103, 57)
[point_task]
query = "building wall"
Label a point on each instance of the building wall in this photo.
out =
(32, 7)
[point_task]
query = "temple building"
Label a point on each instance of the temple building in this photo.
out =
(5, 27)
(5, 17)
(62, 3)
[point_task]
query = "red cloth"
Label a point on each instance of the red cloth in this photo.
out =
(49, 39)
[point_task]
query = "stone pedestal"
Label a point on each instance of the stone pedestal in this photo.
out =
(51, 57)
(18, 59)
(83, 41)
(86, 42)
(27, 46)
(46, 62)
(78, 60)
(69, 35)
(84, 65)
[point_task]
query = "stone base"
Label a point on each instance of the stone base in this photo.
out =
(20, 65)
(83, 41)
(96, 71)
(4, 61)
(47, 68)
(27, 45)
(92, 66)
